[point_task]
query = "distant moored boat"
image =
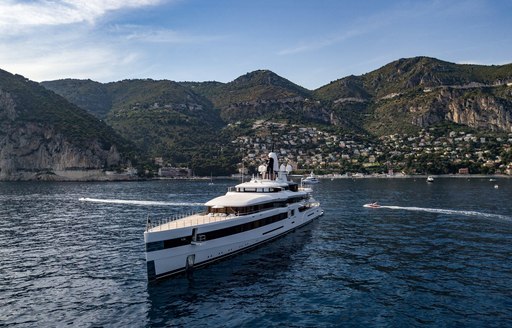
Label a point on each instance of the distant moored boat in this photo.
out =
(311, 179)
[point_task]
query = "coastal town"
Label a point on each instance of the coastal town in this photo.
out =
(431, 151)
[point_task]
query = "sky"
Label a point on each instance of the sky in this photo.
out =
(309, 42)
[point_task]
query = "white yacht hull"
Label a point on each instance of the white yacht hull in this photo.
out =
(171, 252)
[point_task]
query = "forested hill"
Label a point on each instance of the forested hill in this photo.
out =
(190, 123)
(404, 95)
(415, 93)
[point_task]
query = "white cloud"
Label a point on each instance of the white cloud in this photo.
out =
(359, 26)
(15, 16)
(153, 34)
(45, 40)
(47, 61)
(315, 45)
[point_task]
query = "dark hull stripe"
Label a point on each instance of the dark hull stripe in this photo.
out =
(204, 263)
(215, 234)
(273, 230)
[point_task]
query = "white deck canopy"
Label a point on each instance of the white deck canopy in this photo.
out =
(237, 199)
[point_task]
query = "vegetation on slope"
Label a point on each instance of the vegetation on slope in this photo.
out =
(184, 122)
(34, 103)
(86, 94)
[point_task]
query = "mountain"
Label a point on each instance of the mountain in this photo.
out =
(403, 96)
(183, 122)
(43, 136)
(264, 95)
(262, 85)
(191, 123)
(255, 95)
(410, 94)
(86, 94)
(165, 119)
(162, 118)
(425, 72)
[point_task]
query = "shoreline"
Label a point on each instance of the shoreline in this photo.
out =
(322, 177)
(420, 176)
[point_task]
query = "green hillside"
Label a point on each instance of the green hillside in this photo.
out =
(34, 103)
(409, 74)
(261, 94)
(87, 94)
(410, 94)
(189, 123)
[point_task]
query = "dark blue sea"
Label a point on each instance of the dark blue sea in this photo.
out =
(436, 255)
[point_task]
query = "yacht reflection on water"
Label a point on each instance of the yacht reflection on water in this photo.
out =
(243, 275)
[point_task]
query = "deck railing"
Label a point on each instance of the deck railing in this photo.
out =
(202, 217)
(152, 223)
(193, 219)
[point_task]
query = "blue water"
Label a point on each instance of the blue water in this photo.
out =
(436, 255)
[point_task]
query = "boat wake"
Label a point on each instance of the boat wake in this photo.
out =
(444, 211)
(137, 202)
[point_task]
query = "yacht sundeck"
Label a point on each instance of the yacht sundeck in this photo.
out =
(248, 215)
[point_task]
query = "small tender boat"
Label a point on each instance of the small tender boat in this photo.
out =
(311, 179)
(430, 178)
(372, 205)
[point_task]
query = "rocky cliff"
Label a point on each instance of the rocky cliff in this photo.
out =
(483, 111)
(411, 94)
(479, 107)
(44, 137)
(32, 151)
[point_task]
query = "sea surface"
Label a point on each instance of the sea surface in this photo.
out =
(436, 255)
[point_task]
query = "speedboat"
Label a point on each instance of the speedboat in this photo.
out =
(430, 178)
(372, 205)
(248, 215)
(311, 179)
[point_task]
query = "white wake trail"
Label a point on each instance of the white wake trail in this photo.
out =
(137, 202)
(444, 211)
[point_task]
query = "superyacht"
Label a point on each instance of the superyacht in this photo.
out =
(249, 214)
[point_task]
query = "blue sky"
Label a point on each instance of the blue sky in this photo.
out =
(309, 42)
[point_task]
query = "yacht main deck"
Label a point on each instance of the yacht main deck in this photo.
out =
(187, 221)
